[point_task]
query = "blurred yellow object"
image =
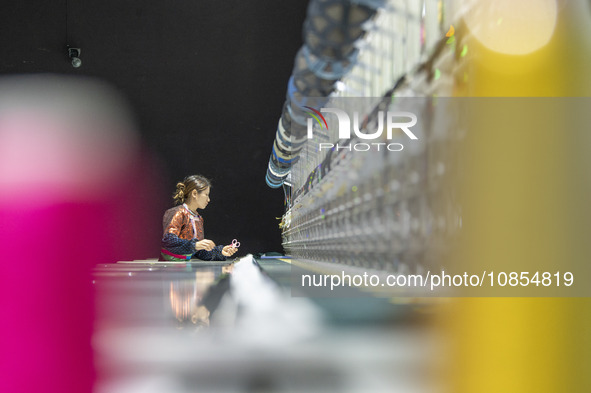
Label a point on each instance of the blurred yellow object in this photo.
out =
(451, 31)
(513, 27)
(528, 194)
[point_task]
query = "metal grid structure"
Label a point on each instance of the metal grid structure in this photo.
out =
(380, 209)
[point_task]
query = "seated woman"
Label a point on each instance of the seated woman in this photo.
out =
(183, 237)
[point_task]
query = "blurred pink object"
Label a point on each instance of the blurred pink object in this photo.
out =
(70, 177)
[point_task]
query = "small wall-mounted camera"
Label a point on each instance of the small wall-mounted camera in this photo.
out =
(74, 55)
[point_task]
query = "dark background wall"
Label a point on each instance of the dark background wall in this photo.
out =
(206, 81)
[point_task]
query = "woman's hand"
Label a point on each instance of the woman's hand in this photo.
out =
(204, 244)
(228, 251)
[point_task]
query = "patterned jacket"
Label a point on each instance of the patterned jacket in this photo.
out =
(182, 229)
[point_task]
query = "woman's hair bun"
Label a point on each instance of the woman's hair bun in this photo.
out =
(186, 187)
(179, 195)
